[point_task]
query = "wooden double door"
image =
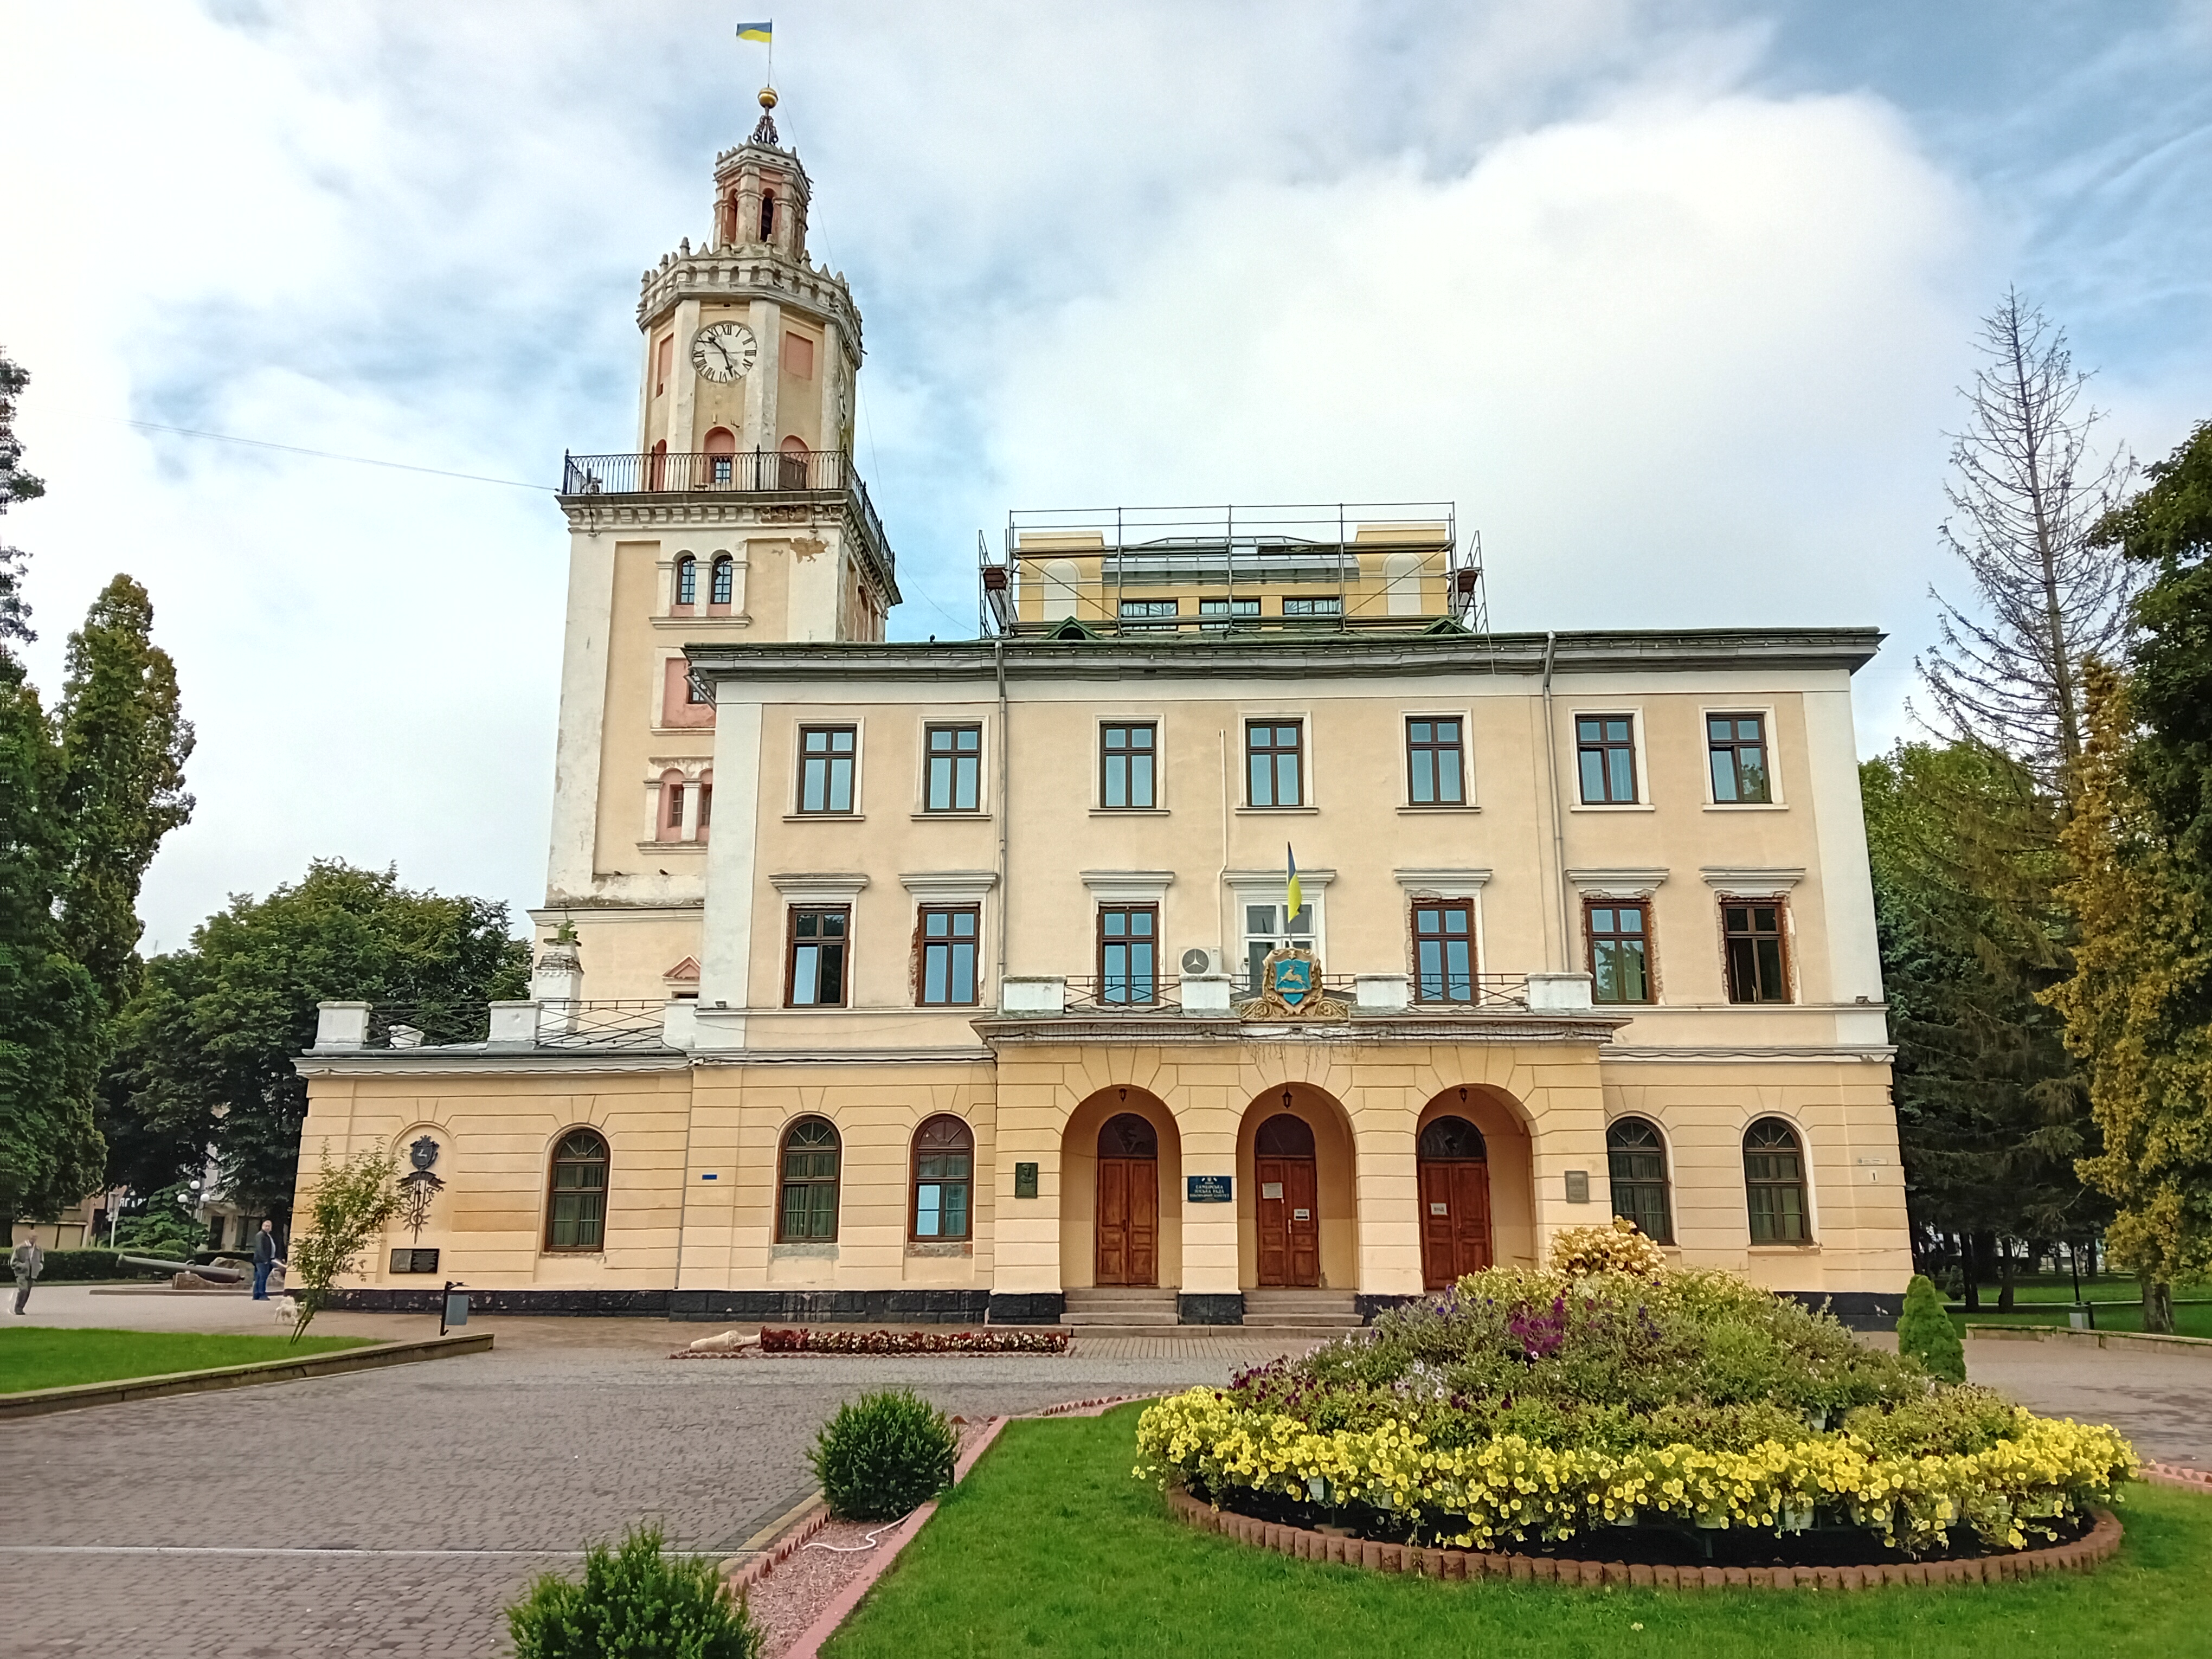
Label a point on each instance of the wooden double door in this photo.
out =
(1455, 1188)
(1288, 1213)
(1128, 1202)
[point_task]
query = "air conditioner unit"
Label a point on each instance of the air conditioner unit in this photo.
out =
(1203, 959)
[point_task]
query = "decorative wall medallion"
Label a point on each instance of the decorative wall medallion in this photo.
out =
(418, 1186)
(1291, 988)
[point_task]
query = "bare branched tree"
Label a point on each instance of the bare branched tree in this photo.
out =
(2026, 493)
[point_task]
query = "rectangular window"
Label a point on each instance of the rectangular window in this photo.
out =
(798, 355)
(1149, 613)
(1605, 748)
(1128, 954)
(1217, 614)
(1621, 951)
(1126, 761)
(1265, 931)
(663, 359)
(1328, 607)
(1435, 763)
(1755, 964)
(825, 768)
(1444, 950)
(1274, 763)
(814, 973)
(941, 1181)
(1736, 745)
(955, 767)
(948, 955)
(671, 795)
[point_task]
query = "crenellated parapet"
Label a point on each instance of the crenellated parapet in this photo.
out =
(746, 272)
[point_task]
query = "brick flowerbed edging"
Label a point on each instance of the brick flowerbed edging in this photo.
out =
(780, 1551)
(2178, 1474)
(1098, 1407)
(2102, 1539)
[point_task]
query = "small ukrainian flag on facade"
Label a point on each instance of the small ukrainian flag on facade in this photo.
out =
(1293, 890)
(763, 33)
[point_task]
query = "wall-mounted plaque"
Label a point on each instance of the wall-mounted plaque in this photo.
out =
(1207, 1190)
(1025, 1181)
(1272, 1189)
(414, 1261)
(1578, 1185)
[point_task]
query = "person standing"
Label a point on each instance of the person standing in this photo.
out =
(265, 1258)
(28, 1261)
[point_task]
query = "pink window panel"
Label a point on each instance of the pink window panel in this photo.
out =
(677, 708)
(797, 357)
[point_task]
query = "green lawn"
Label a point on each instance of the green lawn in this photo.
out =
(1050, 1547)
(43, 1357)
(2190, 1318)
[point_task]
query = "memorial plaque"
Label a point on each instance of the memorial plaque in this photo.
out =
(1207, 1190)
(1025, 1181)
(414, 1261)
(1578, 1185)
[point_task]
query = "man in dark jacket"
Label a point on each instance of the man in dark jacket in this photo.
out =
(28, 1260)
(265, 1258)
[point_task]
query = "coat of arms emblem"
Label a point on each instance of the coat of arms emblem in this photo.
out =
(1291, 988)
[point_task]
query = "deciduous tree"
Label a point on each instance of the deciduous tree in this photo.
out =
(2129, 1007)
(221, 1022)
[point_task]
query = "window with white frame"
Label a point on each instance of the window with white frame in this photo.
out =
(1266, 929)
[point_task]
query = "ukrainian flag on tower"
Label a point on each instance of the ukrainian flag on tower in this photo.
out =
(763, 33)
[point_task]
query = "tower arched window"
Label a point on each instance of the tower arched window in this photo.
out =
(576, 1195)
(687, 579)
(721, 448)
(768, 215)
(1636, 1161)
(943, 1181)
(669, 822)
(1774, 1184)
(811, 1156)
(722, 582)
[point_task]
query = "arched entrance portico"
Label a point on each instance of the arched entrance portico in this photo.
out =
(1453, 1164)
(1298, 1223)
(1473, 1168)
(1121, 1174)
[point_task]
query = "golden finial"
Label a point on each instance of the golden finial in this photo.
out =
(768, 97)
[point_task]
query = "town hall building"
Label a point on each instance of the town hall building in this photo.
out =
(1237, 931)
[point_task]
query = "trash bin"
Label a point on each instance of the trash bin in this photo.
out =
(2082, 1317)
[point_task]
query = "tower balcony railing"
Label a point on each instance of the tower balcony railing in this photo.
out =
(743, 472)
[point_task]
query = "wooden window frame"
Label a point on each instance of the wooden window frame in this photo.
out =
(1297, 751)
(672, 808)
(1769, 1183)
(685, 589)
(722, 575)
(784, 1181)
(1605, 747)
(828, 758)
(913, 1183)
(924, 944)
(791, 943)
(605, 1163)
(1431, 747)
(1099, 927)
(1780, 935)
(1733, 747)
(1127, 754)
(955, 755)
(1591, 936)
(1461, 905)
(1664, 1183)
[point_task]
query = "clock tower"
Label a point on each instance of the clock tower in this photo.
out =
(740, 517)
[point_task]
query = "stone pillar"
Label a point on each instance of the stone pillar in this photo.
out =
(765, 319)
(683, 393)
(558, 985)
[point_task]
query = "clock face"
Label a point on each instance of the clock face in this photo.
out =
(724, 352)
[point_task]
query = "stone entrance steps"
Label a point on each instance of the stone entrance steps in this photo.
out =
(1122, 1310)
(1272, 1309)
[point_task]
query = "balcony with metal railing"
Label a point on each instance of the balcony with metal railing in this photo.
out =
(1140, 996)
(774, 476)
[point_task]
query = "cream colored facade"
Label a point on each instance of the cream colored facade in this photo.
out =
(670, 1032)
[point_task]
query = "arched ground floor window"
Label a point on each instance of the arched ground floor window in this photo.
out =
(576, 1196)
(1636, 1164)
(1774, 1184)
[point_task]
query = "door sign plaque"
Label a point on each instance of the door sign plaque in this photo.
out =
(1270, 1189)
(1206, 1189)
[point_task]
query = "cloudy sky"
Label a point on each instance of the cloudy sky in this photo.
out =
(1671, 299)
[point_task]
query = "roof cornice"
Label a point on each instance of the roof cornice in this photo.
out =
(1347, 656)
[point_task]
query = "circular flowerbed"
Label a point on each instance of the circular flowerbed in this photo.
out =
(1704, 1418)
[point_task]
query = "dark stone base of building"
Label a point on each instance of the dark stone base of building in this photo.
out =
(1368, 1306)
(1219, 1309)
(1857, 1311)
(1034, 1308)
(622, 1304)
(832, 1307)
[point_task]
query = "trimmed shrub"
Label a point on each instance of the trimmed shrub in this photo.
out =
(67, 1266)
(884, 1455)
(1579, 1252)
(633, 1599)
(1925, 1333)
